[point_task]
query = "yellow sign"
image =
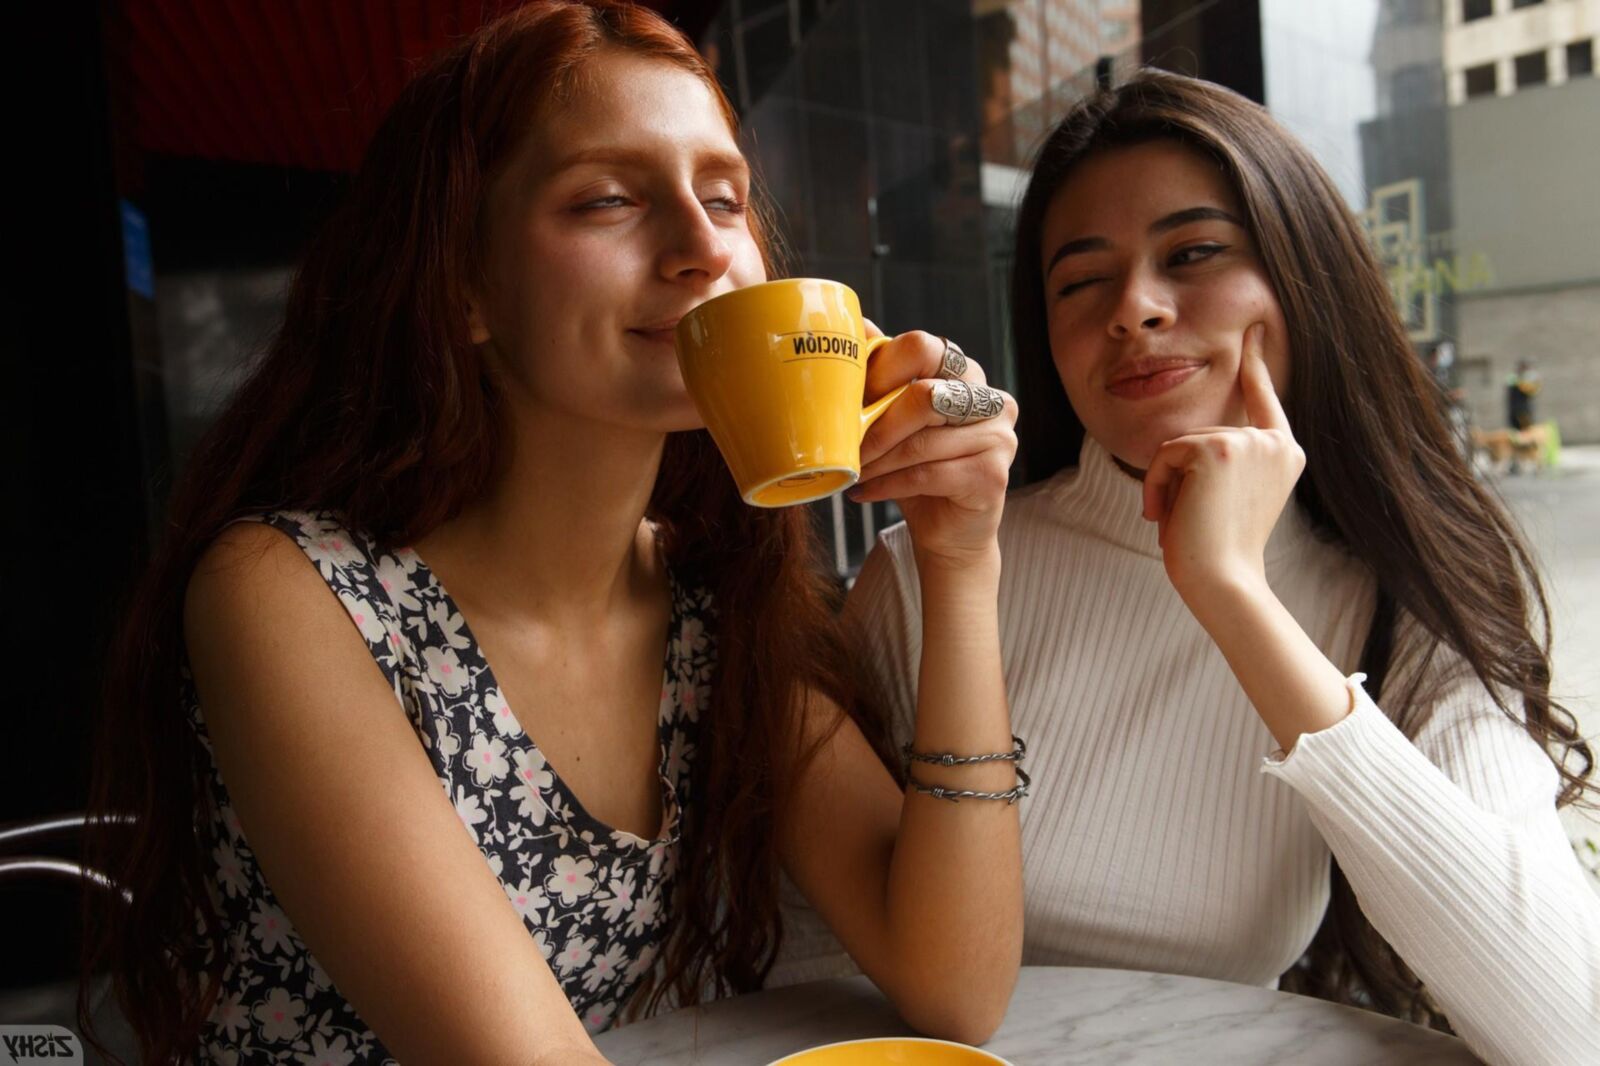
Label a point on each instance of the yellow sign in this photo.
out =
(1421, 266)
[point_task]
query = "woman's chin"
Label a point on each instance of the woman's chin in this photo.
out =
(1137, 449)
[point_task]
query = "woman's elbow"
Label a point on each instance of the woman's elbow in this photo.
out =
(963, 1013)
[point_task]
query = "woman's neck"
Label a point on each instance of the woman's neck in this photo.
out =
(560, 533)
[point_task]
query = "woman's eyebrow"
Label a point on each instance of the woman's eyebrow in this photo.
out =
(1077, 247)
(629, 156)
(1160, 225)
(1192, 214)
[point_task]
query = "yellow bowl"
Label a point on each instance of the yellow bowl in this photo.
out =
(891, 1051)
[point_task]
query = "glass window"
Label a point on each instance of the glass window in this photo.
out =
(1580, 58)
(1481, 80)
(1532, 69)
(1472, 10)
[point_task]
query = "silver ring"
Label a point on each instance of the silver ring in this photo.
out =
(953, 363)
(961, 402)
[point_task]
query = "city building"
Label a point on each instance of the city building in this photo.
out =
(1523, 156)
(1499, 47)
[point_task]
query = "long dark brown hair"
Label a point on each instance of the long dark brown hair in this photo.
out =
(1383, 474)
(371, 402)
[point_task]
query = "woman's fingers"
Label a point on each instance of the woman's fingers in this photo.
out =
(937, 443)
(1261, 404)
(973, 476)
(926, 404)
(1163, 478)
(911, 356)
(1262, 455)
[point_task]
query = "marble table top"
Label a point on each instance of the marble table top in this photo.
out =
(1059, 1014)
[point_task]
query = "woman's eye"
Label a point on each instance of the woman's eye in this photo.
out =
(600, 203)
(729, 204)
(1073, 286)
(1196, 252)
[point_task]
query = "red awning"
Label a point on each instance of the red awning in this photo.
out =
(294, 83)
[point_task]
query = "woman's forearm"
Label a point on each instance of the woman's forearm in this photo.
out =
(1291, 683)
(955, 881)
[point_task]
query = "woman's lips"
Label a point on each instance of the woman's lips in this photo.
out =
(660, 335)
(1156, 380)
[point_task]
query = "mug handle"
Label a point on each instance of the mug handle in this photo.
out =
(874, 410)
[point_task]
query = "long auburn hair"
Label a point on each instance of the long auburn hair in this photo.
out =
(372, 402)
(1383, 475)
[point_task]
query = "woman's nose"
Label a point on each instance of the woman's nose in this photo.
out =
(695, 249)
(1143, 304)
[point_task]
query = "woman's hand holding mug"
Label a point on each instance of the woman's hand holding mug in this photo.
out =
(942, 450)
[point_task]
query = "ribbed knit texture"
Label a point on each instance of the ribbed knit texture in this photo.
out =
(1154, 840)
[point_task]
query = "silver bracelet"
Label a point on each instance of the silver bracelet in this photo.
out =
(945, 758)
(956, 795)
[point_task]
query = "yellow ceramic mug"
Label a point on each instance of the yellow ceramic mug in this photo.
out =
(778, 371)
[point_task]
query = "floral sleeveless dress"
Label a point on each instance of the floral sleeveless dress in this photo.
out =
(593, 898)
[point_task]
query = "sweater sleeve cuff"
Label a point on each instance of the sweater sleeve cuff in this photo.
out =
(1326, 750)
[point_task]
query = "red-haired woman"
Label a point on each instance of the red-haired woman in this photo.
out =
(369, 829)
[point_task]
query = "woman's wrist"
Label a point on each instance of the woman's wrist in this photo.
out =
(1227, 596)
(979, 564)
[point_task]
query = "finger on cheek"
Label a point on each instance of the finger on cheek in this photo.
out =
(1154, 488)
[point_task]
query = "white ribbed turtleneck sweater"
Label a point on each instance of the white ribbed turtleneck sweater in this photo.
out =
(1165, 832)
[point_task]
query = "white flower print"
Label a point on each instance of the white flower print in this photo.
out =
(279, 1015)
(317, 975)
(222, 1056)
(445, 669)
(570, 878)
(487, 758)
(597, 1017)
(661, 860)
(449, 623)
(645, 913)
(526, 898)
(692, 698)
(532, 780)
(678, 751)
(605, 967)
(393, 578)
(575, 953)
(497, 865)
(271, 927)
(691, 637)
(641, 965)
(408, 559)
(470, 811)
(230, 1016)
(365, 617)
(541, 940)
(323, 1053)
(621, 898)
(331, 550)
(505, 723)
(449, 744)
(230, 871)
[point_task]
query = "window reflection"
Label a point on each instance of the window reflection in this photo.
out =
(896, 136)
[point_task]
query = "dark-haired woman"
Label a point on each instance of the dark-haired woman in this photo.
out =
(1256, 612)
(378, 819)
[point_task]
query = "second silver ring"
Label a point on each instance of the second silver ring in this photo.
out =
(953, 363)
